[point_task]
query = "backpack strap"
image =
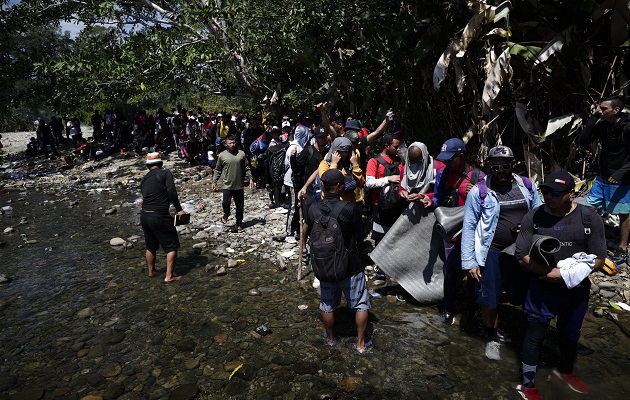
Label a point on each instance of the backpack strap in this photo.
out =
(536, 219)
(334, 211)
(483, 190)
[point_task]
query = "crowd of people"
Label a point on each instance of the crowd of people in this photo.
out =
(328, 170)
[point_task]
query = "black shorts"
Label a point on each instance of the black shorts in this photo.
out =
(159, 231)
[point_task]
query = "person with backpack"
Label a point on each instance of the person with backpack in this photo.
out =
(492, 215)
(559, 286)
(336, 231)
(293, 183)
(452, 184)
(276, 153)
(383, 177)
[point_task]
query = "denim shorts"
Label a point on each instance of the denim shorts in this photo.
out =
(501, 273)
(354, 289)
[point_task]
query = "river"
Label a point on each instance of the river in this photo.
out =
(81, 320)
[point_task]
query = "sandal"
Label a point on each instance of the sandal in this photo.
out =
(326, 342)
(223, 220)
(239, 229)
(365, 349)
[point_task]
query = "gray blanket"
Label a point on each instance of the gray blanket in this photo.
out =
(412, 253)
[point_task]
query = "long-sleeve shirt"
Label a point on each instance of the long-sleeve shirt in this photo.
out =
(158, 191)
(233, 170)
(615, 139)
(357, 174)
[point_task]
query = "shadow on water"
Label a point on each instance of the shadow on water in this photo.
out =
(81, 317)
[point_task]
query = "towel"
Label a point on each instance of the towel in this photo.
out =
(576, 268)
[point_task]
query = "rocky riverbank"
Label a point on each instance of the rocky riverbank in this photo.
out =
(81, 320)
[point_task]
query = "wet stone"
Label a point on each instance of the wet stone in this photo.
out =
(6, 382)
(86, 312)
(98, 350)
(350, 384)
(184, 392)
(113, 391)
(110, 370)
(222, 271)
(4, 279)
(232, 263)
(192, 363)
(253, 292)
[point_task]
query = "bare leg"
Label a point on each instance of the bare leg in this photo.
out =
(329, 323)
(171, 257)
(150, 256)
(624, 227)
(361, 319)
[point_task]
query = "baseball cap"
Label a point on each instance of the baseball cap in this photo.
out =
(334, 177)
(286, 124)
(275, 129)
(500, 152)
(320, 131)
(352, 125)
(450, 148)
(561, 180)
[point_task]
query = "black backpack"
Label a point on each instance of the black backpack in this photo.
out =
(450, 197)
(388, 200)
(275, 159)
(329, 258)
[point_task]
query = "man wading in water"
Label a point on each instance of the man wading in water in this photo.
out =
(158, 192)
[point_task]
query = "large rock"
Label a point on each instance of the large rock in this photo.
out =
(117, 241)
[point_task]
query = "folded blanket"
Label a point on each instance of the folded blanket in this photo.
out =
(412, 253)
(576, 268)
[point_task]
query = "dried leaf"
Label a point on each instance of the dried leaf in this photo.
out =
(459, 76)
(618, 29)
(621, 6)
(458, 46)
(555, 46)
(501, 73)
(524, 120)
(562, 126)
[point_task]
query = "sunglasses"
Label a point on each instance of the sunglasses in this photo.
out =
(498, 167)
(555, 193)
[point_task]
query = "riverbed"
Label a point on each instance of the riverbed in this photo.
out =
(82, 320)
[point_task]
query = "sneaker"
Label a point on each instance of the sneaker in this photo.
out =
(528, 393)
(573, 381)
(449, 319)
(493, 350)
(620, 256)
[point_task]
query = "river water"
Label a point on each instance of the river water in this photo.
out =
(81, 320)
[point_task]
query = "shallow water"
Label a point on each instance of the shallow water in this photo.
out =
(82, 318)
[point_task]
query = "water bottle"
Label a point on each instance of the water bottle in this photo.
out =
(262, 219)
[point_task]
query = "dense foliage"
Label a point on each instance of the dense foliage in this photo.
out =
(487, 71)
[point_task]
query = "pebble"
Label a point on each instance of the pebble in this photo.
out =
(9, 230)
(110, 370)
(111, 211)
(117, 241)
(86, 312)
(222, 271)
(253, 292)
(200, 245)
(232, 263)
(184, 392)
(4, 278)
(350, 384)
(607, 294)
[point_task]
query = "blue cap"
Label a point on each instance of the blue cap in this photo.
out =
(450, 148)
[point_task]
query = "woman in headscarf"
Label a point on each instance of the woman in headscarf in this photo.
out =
(418, 177)
(343, 157)
(291, 182)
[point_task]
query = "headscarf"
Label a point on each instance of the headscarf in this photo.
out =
(418, 175)
(339, 144)
(301, 135)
